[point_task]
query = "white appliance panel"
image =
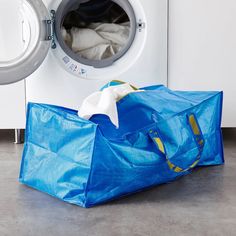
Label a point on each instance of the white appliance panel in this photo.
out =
(202, 49)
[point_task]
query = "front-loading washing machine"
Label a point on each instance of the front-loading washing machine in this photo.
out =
(57, 74)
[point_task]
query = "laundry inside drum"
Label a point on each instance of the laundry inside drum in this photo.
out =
(96, 29)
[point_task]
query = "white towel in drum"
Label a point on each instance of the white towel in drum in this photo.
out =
(104, 102)
(98, 41)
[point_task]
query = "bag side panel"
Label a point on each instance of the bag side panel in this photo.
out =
(57, 153)
(208, 111)
(210, 116)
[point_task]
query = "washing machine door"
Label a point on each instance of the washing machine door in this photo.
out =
(25, 38)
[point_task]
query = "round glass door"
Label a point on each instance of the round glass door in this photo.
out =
(12, 42)
(23, 43)
(95, 32)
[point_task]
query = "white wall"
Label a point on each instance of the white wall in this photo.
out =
(202, 49)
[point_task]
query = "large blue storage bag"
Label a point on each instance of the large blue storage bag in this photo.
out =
(163, 135)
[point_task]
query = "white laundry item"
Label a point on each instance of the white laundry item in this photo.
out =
(67, 37)
(99, 52)
(115, 33)
(104, 102)
(98, 41)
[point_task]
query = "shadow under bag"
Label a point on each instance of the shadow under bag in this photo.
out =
(163, 135)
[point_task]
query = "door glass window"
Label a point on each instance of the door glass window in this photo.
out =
(11, 37)
(19, 31)
(96, 31)
(22, 38)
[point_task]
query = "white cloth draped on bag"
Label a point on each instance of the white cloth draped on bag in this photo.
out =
(104, 102)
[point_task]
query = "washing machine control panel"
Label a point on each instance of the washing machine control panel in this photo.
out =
(73, 67)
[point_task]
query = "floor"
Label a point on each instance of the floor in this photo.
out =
(203, 203)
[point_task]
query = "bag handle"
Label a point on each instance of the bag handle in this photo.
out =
(199, 139)
(115, 83)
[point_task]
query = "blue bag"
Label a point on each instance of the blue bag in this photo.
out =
(163, 135)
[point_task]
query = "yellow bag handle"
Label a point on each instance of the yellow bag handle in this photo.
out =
(116, 82)
(199, 139)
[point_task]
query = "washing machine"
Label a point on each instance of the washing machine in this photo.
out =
(56, 74)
